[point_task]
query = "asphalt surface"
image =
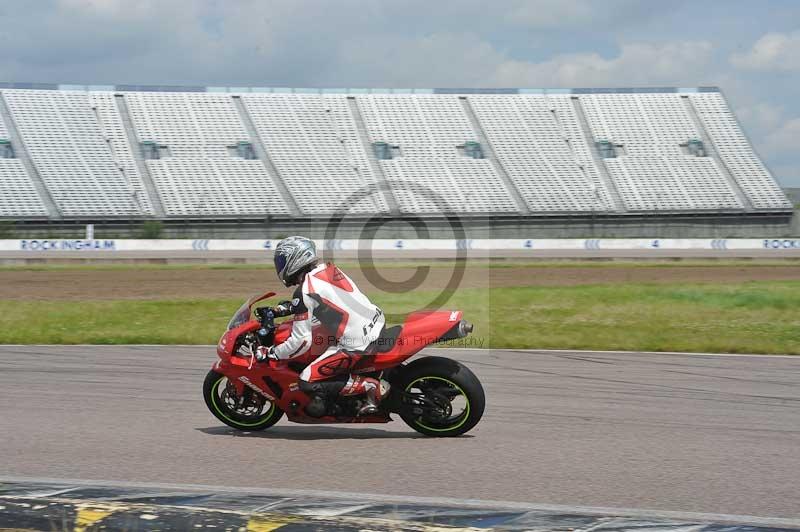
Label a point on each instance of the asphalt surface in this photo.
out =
(714, 434)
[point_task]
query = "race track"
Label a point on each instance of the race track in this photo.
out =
(714, 434)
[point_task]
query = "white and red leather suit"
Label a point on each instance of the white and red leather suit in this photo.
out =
(328, 296)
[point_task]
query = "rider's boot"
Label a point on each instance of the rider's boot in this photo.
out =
(373, 389)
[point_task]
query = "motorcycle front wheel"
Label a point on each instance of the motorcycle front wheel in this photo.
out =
(248, 412)
(440, 397)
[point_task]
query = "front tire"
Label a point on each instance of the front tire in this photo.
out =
(454, 391)
(249, 413)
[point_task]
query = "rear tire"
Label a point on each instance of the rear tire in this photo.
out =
(214, 393)
(442, 377)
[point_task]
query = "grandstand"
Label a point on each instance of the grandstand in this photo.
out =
(89, 153)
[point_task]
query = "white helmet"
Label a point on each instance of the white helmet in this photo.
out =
(292, 254)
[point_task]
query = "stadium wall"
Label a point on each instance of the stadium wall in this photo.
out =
(762, 226)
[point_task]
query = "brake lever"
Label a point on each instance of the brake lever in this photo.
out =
(252, 356)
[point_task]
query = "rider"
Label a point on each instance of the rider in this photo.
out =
(326, 295)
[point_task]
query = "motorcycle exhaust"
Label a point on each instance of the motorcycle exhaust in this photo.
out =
(459, 330)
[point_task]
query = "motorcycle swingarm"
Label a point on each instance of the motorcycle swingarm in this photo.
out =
(402, 404)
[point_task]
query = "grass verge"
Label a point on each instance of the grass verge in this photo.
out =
(757, 317)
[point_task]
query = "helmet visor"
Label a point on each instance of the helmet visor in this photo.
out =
(280, 264)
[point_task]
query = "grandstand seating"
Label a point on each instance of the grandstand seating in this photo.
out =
(736, 153)
(65, 142)
(18, 196)
(430, 175)
(533, 146)
(114, 130)
(200, 177)
(654, 174)
(119, 152)
(313, 142)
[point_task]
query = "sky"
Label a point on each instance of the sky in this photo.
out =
(751, 49)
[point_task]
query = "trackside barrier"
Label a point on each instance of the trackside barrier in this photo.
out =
(66, 245)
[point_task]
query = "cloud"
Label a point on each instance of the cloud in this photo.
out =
(314, 42)
(551, 13)
(772, 52)
(784, 140)
(113, 8)
(776, 140)
(435, 60)
(676, 63)
(467, 60)
(761, 117)
(418, 43)
(571, 14)
(788, 175)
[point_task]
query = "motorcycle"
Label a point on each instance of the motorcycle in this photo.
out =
(435, 396)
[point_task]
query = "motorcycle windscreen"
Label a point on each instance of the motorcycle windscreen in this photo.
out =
(243, 314)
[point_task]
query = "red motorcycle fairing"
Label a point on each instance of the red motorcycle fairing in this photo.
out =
(277, 381)
(243, 365)
(419, 330)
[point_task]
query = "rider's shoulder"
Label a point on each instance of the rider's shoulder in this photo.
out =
(328, 274)
(323, 270)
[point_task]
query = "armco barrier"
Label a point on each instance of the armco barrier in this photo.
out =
(77, 245)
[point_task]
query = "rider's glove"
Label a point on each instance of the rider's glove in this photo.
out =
(284, 308)
(265, 353)
(261, 313)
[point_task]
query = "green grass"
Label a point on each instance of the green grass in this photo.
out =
(757, 317)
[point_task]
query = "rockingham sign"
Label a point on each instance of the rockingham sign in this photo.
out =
(65, 245)
(410, 245)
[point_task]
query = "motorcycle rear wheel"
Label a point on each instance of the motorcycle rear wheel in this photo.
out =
(447, 384)
(257, 413)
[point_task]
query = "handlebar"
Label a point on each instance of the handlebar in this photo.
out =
(266, 316)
